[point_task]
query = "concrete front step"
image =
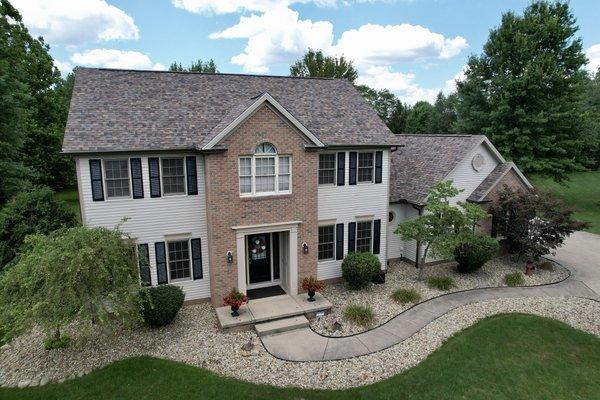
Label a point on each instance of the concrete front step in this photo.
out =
(281, 325)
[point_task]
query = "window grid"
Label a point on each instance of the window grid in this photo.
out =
(326, 242)
(363, 236)
(284, 173)
(365, 167)
(327, 169)
(265, 172)
(179, 260)
(116, 174)
(173, 175)
(246, 175)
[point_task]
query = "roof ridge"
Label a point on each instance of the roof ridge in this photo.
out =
(439, 134)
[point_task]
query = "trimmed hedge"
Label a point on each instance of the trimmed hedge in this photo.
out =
(160, 304)
(359, 269)
(474, 251)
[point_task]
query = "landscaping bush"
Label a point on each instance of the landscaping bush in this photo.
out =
(404, 296)
(359, 269)
(514, 279)
(53, 342)
(473, 251)
(160, 304)
(440, 282)
(359, 314)
(546, 266)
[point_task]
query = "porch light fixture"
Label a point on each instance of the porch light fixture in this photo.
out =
(304, 248)
(229, 257)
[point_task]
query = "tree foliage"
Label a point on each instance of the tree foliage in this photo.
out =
(389, 108)
(316, 64)
(421, 118)
(209, 67)
(591, 107)
(82, 274)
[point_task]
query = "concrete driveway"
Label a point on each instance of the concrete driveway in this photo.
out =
(581, 254)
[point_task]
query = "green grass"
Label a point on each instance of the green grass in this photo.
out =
(70, 197)
(440, 282)
(404, 296)
(514, 279)
(359, 314)
(511, 356)
(582, 192)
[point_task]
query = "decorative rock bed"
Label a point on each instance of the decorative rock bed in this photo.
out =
(403, 275)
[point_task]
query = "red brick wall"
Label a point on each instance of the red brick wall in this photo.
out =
(225, 207)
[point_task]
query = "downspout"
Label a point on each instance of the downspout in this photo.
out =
(418, 249)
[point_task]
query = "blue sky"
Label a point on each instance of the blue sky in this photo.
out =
(413, 47)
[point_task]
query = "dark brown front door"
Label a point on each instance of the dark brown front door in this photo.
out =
(259, 258)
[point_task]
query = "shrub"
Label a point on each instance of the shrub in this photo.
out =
(32, 211)
(359, 314)
(404, 296)
(53, 342)
(359, 269)
(546, 266)
(311, 284)
(160, 304)
(473, 251)
(514, 279)
(440, 282)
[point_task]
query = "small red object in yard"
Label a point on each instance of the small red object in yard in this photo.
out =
(529, 267)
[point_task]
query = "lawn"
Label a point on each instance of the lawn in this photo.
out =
(70, 197)
(582, 192)
(510, 356)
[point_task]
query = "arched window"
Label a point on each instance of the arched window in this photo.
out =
(265, 172)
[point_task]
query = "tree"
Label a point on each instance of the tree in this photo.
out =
(72, 274)
(533, 224)
(316, 64)
(208, 67)
(445, 113)
(524, 91)
(591, 106)
(421, 118)
(441, 226)
(389, 108)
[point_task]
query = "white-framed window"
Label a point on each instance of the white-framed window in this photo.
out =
(265, 172)
(178, 258)
(366, 166)
(116, 175)
(327, 169)
(173, 175)
(364, 236)
(326, 242)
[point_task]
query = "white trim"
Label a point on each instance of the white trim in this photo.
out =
(258, 228)
(162, 176)
(335, 168)
(265, 97)
(276, 191)
(105, 180)
(358, 153)
(512, 166)
(171, 240)
(334, 225)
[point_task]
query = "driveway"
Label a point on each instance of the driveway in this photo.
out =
(581, 254)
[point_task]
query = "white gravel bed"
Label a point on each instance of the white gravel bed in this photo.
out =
(193, 338)
(403, 275)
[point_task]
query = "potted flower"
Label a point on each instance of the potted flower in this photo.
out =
(312, 285)
(235, 299)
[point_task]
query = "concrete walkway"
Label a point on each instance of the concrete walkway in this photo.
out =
(306, 345)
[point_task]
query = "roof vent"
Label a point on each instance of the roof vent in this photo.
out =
(478, 162)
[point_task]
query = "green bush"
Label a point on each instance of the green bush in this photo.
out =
(160, 304)
(474, 251)
(440, 282)
(514, 279)
(359, 269)
(53, 342)
(404, 296)
(359, 314)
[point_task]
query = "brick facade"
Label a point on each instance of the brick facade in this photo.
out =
(226, 209)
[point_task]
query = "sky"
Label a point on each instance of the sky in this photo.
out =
(415, 48)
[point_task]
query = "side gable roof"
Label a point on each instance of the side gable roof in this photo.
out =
(493, 179)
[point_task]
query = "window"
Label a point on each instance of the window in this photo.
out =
(117, 178)
(179, 260)
(364, 234)
(326, 169)
(265, 172)
(173, 175)
(326, 242)
(365, 167)
(391, 216)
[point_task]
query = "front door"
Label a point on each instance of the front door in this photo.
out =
(259, 258)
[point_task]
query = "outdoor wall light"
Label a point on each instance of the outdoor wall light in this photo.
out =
(304, 248)
(229, 257)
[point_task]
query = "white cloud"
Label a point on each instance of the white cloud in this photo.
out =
(74, 22)
(63, 66)
(450, 85)
(401, 84)
(593, 55)
(210, 7)
(111, 58)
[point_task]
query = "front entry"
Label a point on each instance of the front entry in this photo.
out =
(263, 259)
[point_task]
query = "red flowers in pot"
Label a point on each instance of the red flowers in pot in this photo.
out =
(235, 299)
(312, 285)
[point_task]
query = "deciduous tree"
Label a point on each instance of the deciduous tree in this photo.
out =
(316, 64)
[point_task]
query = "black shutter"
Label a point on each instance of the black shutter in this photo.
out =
(161, 262)
(341, 165)
(96, 178)
(376, 236)
(339, 242)
(351, 236)
(137, 183)
(352, 170)
(378, 166)
(192, 179)
(196, 259)
(144, 263)
(154, 170)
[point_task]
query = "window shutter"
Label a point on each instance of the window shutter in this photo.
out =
(96, 179)
(376, 236)
(196, 259)
(137, 183)
(341, 165)
(378, 166)
(352, 170)
(339, 242)
(154, 170)
(192, 179)
(161, 262)
(351, 236)
(144, 263)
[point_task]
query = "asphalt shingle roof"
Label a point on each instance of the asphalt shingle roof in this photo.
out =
(490, 181)
(124, 110)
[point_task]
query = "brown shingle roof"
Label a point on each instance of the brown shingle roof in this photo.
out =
(124, 110)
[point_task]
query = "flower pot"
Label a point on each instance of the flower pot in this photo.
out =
(311, 295)
(234, 310)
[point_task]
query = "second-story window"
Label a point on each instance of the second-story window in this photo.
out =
(326, 169)
(365, 167)
(265, 172)
(173, 175)
(117, 178)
